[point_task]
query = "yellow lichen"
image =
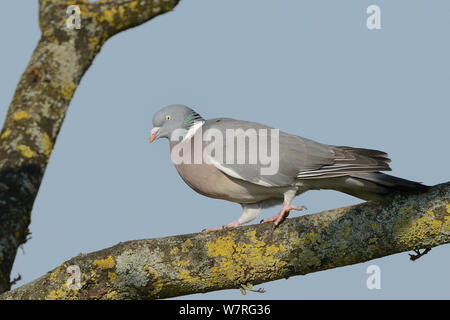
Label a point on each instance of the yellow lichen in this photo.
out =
(300, 242)
(185, 246)
(108, 15)
(55, 295)
(48, 146)
(112, 276)
(21, 115)
(55, 273)
(312, 237)
(240, 262)
(121, 12)
(435, 227)
(410, 232)
(25, 151)
(133, 5)
(417, 229)
(63, 293)
(448, 208)
(374, 226)
(274, 249)
(182, 263)
(5, 134)
(93, 276)
(111, 295)
(185, 275)
(95, 43)
(181, 266)
(107, 263)
(447, 223)
(156, 282)
(68, 91)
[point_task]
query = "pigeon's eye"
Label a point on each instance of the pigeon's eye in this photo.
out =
(168, 117)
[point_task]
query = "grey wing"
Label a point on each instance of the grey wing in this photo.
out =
(297, 158)
(295, 154)
(348, 161)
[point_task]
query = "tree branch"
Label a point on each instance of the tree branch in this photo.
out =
(203, 262)
(41, 100)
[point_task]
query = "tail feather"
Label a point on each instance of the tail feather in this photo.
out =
(377, 185)
(357, 172)
(392, 182)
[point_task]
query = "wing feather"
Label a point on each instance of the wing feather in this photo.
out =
(299, 158)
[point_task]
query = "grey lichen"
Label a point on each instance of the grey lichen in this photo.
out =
(130, 266)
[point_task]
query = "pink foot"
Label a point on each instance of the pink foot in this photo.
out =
(233, 224)
(283, 214)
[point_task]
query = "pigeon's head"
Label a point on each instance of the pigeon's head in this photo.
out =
(173, 119)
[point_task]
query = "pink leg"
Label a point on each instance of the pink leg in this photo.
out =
(233, 224)
(283, 214)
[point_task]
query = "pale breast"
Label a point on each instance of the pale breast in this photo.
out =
(207, 180)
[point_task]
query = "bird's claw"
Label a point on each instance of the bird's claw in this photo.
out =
(213, 229)
(233, 224)
(282, 215)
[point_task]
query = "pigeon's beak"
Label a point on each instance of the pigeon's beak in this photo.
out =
(154, 134)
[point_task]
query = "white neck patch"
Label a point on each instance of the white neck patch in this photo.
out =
(193, 129)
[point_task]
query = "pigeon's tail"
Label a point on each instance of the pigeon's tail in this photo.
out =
(376, 185)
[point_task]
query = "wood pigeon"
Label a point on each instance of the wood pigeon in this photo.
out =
(302, 164)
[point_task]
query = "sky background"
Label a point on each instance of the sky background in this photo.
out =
(310, 68)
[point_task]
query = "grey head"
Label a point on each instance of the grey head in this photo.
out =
(176, 118)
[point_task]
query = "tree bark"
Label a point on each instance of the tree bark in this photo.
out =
(232, 258)
(41, 100)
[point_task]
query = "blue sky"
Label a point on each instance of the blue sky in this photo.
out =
(310, 68)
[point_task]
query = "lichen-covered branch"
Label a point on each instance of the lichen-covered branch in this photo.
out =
(41, 100)
(231, 258)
